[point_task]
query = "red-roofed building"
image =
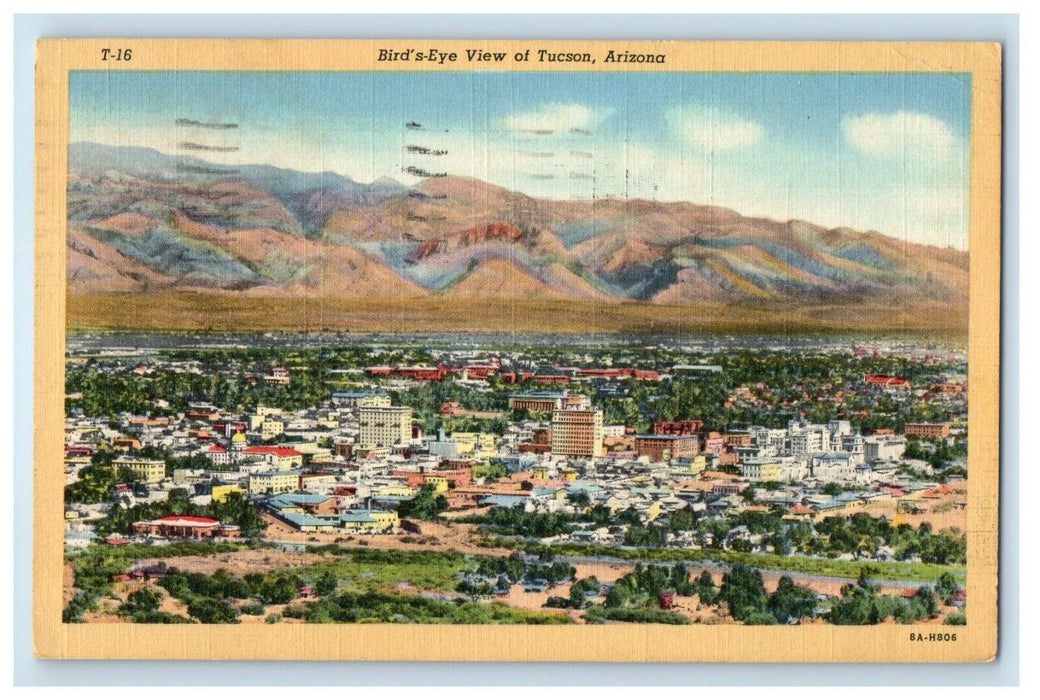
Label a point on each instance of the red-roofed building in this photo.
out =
(186, 526)
(887, 382)
(277, 457)
(218, 455)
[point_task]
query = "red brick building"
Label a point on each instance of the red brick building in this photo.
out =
(927, 430)
(678, 427)
(663, 448)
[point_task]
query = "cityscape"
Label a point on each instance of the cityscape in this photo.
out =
(307, 478)
(517, 347)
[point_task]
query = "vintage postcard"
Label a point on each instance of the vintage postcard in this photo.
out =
(517, 350)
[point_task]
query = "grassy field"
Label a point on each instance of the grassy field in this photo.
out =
(235, 312)
(377, 569)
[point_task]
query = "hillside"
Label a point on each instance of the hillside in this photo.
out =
(142, 222)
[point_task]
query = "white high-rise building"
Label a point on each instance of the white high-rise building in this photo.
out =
(384, 426)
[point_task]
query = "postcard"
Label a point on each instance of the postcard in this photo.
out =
(517, 350)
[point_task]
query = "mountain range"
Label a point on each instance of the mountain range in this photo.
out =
(143, 222)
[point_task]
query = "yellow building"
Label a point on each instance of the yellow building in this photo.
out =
(220, 493)
(479, 445)
(694, 469)
(540, 473)
(394, 492)
(379, 400)
(148, 471)
(274, 482)
(439, 483)
(760, 471)
(271, 428)
(370, 521)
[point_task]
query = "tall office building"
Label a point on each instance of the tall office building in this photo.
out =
(385, 426)
(577, 433)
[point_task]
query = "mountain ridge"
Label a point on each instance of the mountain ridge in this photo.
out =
(143, 221)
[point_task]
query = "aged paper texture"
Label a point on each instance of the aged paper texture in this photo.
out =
(517, 350)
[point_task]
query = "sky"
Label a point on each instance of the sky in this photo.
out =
(887, 152)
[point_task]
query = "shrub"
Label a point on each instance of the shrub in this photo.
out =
(253, 608)
(296, 612)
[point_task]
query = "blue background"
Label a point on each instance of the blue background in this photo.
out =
(28, 28)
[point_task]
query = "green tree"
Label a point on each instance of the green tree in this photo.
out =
(280, 589)
(946, 586)
(743, 590)
(326, 584)
(213, 612)
(141, 601)
(791, 602)
(426, 504)
(704, 588)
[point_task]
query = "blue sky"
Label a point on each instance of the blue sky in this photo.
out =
(872, 151)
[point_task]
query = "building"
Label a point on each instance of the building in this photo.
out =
(357, 399)
(577, 433)
(477, 445)
(220, 492)
(148, 471)
(303, 503)
(889, 384)
(714, 444)
(360, 521)
(760, 470)
(192, 527)
(836, 466)
(695, 370)
(279, 376)
(927, 430)
(238, 444)
(277, 457)
(677, 427)
(271, 428)
(264, 483)
(546, 401)
(665, 448)
(385, 426)
(125, 443)
(218, 455)
(883, 448)
(453, 477)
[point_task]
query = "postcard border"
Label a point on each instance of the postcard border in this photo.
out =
(645, 643)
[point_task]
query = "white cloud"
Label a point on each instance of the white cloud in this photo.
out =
(557, 117)
(712, 130)
(899, 135)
